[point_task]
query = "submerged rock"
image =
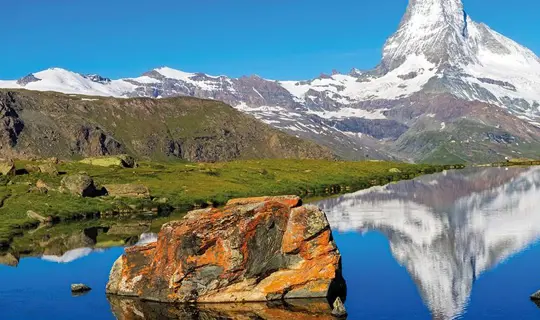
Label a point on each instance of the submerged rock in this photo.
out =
(79, 184)
(79, 288)
(252, 250)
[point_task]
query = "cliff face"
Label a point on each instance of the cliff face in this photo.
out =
(43, 124)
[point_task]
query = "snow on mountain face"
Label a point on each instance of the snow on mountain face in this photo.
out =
(438, 49)
(61, 80)
(473, 61)
(448, 229)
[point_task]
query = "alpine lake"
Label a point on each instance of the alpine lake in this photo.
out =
(460, 244)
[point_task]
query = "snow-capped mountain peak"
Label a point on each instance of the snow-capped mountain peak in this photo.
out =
(438, 53)
(437, 29)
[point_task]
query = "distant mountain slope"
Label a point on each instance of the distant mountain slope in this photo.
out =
(43, 124)
(437, 52)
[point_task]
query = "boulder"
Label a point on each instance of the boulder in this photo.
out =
(79, 287)
(7, 167)
(127, 190)
(9, 259)
(122, 160)
(536, 296)
(32, 168)
(48, 168)
(79, 184)
(252, 250)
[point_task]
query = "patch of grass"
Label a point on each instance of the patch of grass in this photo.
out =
(187, 185)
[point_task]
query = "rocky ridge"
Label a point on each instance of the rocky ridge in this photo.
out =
(46, 124)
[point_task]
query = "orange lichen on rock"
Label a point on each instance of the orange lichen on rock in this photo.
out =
(253, 249)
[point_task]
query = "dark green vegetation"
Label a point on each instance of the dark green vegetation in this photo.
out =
(48, 124)
(183, 186)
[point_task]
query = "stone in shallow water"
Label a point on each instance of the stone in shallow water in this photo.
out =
(536, 296)
(79, 288)
(251, 250)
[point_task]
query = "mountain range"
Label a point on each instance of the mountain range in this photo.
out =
(448, 89)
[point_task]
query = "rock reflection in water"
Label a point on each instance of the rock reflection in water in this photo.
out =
(131, 309)
(448, 229)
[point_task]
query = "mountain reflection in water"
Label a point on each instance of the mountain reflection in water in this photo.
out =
(448, 229)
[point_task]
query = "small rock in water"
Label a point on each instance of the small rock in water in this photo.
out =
(79, 288)
(339, 309)
(536, 296)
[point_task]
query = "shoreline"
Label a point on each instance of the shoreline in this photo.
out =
(181, 186)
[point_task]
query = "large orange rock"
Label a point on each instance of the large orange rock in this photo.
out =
(252, 250)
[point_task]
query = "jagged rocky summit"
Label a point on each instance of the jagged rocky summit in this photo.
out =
(252, 250)
(447, 89)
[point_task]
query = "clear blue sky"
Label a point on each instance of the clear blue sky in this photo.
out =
(278, 39)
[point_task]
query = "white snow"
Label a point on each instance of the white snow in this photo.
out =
(443, 125)
(175, 74)
(144, 79)
(350, 113)
(389, 86)
(61, 80)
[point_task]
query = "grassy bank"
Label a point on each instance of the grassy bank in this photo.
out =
(187, 185)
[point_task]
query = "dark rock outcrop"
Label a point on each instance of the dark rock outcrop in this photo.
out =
(91, 141)
(255, 249)
(11, 124)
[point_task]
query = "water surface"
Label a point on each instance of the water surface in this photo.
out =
(456, 245)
